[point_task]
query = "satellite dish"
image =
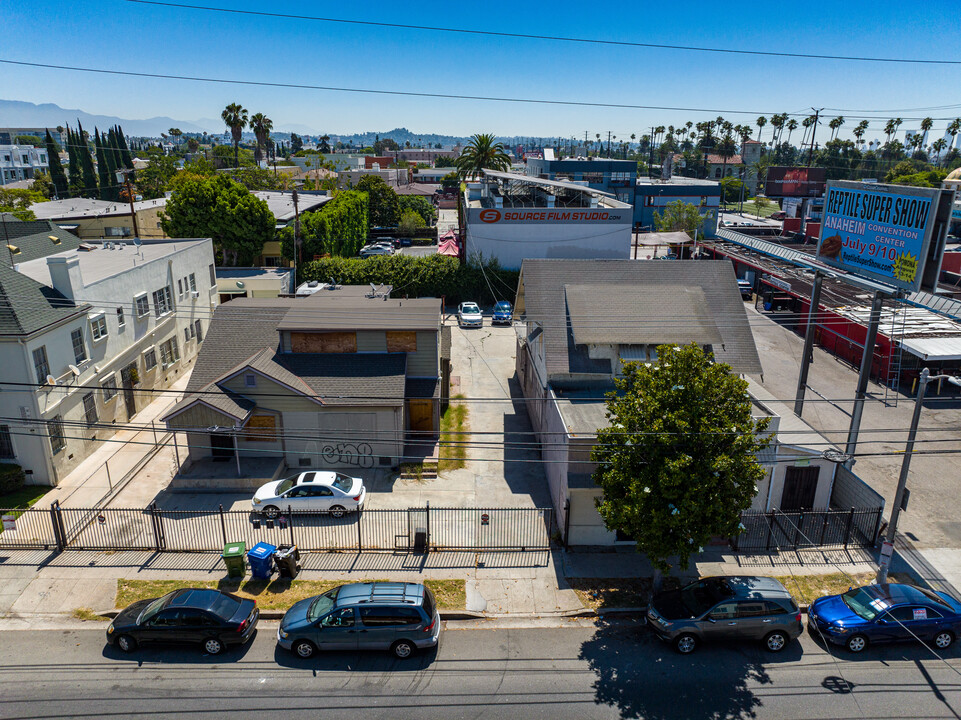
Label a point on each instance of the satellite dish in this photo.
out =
(138, 242)
(51, 380)
(240, 284)
(373, 288)
(74, 369)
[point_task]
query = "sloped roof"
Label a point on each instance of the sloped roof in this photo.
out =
(350, 379)
(33, 239)
(542, 298)
(27, 306)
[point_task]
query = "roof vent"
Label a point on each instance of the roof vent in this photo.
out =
(55, 239)
(14, 250)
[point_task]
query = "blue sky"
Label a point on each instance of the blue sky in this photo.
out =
(123, 35)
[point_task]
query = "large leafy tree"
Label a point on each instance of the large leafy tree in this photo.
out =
(382, 201)
(678, 462)
(17, 202)
(678, 215)
(418, 204)
(219, 208)
(235, 118)
(153, 180)
(260, 125)
(482, 152)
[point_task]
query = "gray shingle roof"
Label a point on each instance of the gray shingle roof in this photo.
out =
(542, 298)
(327, 311)
(32, 238)
(374, 379)
(27, 306)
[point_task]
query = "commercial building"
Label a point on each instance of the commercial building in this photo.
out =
(21, 162)
(101, 219)
(567, 362)
(393, 177)
(653, 195)
(8, 136)
(86, 333)
(339, 378)
(615, 177)
(513, 217)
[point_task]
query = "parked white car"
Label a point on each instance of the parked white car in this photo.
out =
(320, 491)
(376, 249)
(469, 315)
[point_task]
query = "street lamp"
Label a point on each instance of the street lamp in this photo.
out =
(887, 549)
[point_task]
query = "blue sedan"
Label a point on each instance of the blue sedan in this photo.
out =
(885, 613)
(503, 313)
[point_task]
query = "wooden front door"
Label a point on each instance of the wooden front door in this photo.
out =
(800, 488)
(422, 415)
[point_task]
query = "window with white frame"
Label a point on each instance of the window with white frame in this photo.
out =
(109, 387)
(79, 347)
(187, 333)
(169, 353)
(121, 321)
(180, 288)
(98, 327)
(162, 302)
(213, 275)
(55, 432)
(199, 331)
(40, 364)
(142, 304)
(193, 282)
(90, 408)
(150, 359)
(250, 380)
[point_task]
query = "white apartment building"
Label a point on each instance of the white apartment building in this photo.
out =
(21, 162)
(86, 335)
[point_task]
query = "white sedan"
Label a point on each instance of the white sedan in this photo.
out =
(469, 315)
(320, 491)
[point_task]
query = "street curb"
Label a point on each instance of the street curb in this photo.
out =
(279, 614)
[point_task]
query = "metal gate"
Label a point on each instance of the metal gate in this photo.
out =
(27, 529)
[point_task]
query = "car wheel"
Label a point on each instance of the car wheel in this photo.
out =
(270, 512)
(402, 649)
(685, 644)
(775, 641)
(213, 646)
(857, 643)
(944, 639)
(304, 649)
(337, 511)
(126, 643)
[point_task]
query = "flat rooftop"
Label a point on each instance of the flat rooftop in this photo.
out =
(281, 204)
(77, 208)
(676, 180)
(99, 263)
(514, 190)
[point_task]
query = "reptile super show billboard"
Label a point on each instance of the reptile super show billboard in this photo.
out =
(881, 232)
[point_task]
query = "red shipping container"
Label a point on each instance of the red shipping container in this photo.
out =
(791, 226)
(951, 262)
(812, 231)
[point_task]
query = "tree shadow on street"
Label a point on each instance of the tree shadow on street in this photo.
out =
(642, 677)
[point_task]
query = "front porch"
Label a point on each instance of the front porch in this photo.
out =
(214, 475)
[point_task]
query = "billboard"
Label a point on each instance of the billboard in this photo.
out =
(795, 182)
(514, 216)
(881, 232)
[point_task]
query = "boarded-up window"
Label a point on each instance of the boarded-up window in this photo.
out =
(261, 428)
(401, 341)
(328, 342)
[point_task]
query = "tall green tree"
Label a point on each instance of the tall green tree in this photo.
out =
(224, 210)
(90, 188)
(57, 175)
(482, 152)
(678, 461)
(126, 159)
(74, 168)
(235, 118)
(384, 207)
(107, 181)
(679, 215)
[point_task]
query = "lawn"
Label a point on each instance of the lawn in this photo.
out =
(277, 594)
(768, 207)
(19, 500)
(452, 454)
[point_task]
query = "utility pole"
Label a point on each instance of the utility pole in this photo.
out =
(608, 144)
(887, 549)
(814, 130)
(296, 236)
(585, 143)
(133, 215)
(651, 154)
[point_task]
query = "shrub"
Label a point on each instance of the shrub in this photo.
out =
(11, 478)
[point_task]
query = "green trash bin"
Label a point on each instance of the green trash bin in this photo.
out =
(235, 559)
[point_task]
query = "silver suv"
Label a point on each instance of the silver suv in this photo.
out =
(726, 608)
(396, 616)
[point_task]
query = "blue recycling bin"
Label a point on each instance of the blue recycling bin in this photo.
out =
(261, 559)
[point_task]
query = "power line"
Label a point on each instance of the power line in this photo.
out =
(409, 93)
(553, 38)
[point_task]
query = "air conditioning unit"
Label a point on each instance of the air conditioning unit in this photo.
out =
(195, 294)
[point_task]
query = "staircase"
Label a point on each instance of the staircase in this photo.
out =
(420, 460)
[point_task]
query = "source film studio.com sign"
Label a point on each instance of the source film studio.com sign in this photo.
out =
(502, 217)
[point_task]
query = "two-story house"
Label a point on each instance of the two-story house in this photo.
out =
(87, 334)
(584, 317)
(339, 378)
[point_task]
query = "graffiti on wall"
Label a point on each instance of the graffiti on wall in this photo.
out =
(359, 454)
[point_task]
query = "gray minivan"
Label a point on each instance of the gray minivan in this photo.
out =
(396, 616)
(726, 608)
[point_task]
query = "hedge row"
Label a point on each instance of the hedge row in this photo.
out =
(11, 478)
(427, 276)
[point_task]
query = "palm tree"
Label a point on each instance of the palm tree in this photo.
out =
(175, 133)
(480, 153)
(926, 125)
(939, 145)
(761, 122)
(860, 129)
(260, 125)
(235, 118)
(791, 127)
(835, 126)
(953, 129)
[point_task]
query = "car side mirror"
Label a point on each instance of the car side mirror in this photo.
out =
(711, 619)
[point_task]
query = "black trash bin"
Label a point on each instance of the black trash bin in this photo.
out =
(287, 560)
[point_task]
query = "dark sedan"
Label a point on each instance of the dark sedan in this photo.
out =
(212, 619)
(885, 613)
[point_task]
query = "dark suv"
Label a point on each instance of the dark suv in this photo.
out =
(726, 608)
(396, 616)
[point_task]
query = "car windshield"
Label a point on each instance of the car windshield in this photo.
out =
(285, 485)
(865, 604)
(503, 306)
(343, 482)
(701, 596)
(153, 608)
(471, 308)
(322, 605)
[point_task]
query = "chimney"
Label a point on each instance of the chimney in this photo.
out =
(65, 275)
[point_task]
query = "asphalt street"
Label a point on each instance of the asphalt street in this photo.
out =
(608, 671)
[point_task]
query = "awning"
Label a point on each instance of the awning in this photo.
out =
(664, 238)
(934, 349)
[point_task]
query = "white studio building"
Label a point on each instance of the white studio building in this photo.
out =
(86, 334)
(21, 162)
(515, 217)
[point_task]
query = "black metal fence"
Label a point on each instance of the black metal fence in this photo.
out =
(777, 530)
(160, 530)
